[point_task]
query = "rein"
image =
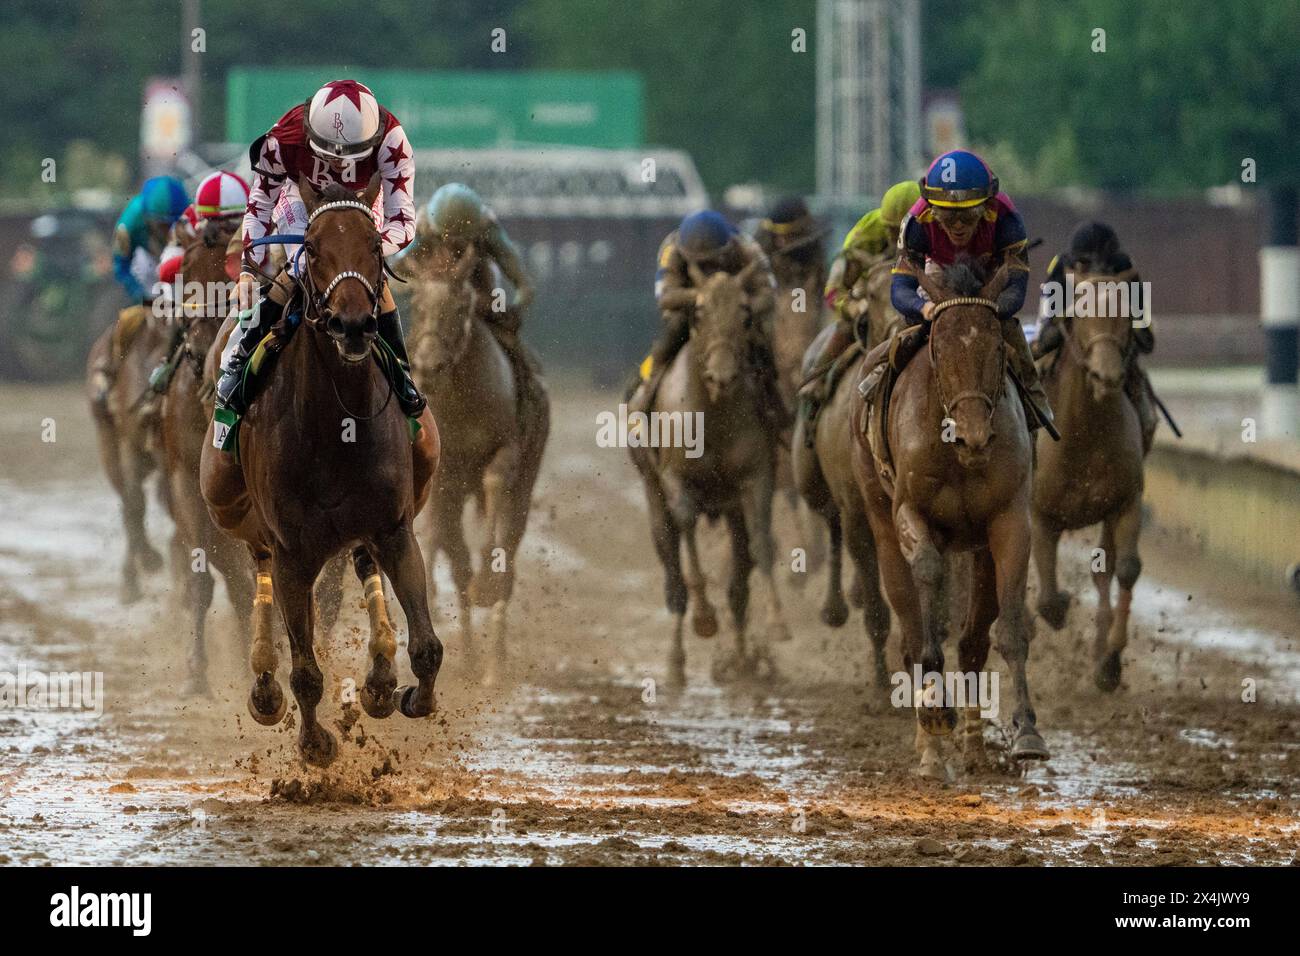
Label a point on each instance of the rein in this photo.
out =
(1080, 350)
(990, 401)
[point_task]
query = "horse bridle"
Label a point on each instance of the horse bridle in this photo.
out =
(314, 302)
(990, 401)
(1081, 350)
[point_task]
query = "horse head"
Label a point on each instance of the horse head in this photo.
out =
(443, 306)
(205, 262)
(720, 326)
(1100, 330)
(968, 356)
(344, 267)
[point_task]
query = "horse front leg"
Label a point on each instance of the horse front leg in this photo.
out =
(266, 701)
(293, 580)
(834, 609)
(1053, 603)
(726, 667)
(928, 572)
(973, 654)
(1128, 566)
(667, 543)
(756, 501)
(381, 681)
(198, 590)
(1008, 537)
(875, 612)
(399, 555)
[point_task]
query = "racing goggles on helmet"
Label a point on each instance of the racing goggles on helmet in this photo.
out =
(959, 215)
(941, 197)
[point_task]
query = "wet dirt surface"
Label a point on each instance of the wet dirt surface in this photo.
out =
(581, 753)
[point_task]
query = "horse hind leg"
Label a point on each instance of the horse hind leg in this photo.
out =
(1103, 571)
(875, 612)
(756, 501)
(704, 619)
(729, 665)
(667, 542)
(834, 609)
(381, 681)
(199, 593)
(973, 655)
(1009, 546)
(928, 570)
(399, 555)
(329, 595)
(1128, 566)
(266, 701)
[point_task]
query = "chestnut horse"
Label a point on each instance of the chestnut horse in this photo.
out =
(1093, 474)
(495, 441)
(825, 477)
(959, 481)
(326, 462)
(732, 477)
(127, 430)
(186, 411)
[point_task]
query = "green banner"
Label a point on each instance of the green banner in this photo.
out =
(458, 110)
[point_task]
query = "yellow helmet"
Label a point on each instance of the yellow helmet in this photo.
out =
(898, 199)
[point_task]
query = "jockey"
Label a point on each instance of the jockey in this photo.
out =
(221, 199)
(794, 244)
(872, 240)
(1094, 248)
(961, 213)
(138, 239)
(340, 136)
(455, 218)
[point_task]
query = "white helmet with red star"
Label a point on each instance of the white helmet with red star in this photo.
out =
(343, 121)
(221, 194)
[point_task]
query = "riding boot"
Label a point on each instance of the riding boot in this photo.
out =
(1138, 388)
(408, 395)
(891, 355)
(1022, 363)
(674, 334)
(817, 380)
(161, 376)
(230, 391)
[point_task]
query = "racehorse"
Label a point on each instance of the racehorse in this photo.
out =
(326, 461)
(1093, 474)
(825, 477)
(493, 439)
(731, 477)
(958, 480)
(796, 321)
(127, 430)
(186, 410)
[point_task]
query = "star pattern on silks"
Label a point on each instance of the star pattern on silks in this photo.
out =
(399, 182)
(344, 88)
(400, 216)
(272, 153)
(397, 154)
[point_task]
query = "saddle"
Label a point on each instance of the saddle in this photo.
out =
(889, 358)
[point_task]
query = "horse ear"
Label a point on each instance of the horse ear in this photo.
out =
(372, 189)
(310, 198)
(993, 288)
(936, 292)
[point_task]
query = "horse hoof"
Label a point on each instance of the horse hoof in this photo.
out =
(404, 700)
(273, 704)
(933, 768)
(151, 560)
(1029, 746)
(835, 613)
(726, 667)
(318, 747)
(1108, 672)
(760, 666)
(705, 622)
(379, 703)
(937, 721)
(130, 593)
(1053, 609)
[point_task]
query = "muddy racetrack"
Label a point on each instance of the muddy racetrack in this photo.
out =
(580, 754)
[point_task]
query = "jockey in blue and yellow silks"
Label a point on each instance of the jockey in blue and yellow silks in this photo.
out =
(963, 214)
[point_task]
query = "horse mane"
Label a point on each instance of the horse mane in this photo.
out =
(964, 277)
(333, 192)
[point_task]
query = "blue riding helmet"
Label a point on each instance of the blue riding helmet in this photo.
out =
(958, 179)
(704, 235)
(163, 198)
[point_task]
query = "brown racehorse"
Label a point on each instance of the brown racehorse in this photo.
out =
(187, 409)
(325, 463)
(732, 477)
(960, 481)
(493, 440)
(127, 429)
(826, 479)
(798, 317)
(1093, 474)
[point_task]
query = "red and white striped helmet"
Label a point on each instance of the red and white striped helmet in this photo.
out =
(343, 121)
(221, 194)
